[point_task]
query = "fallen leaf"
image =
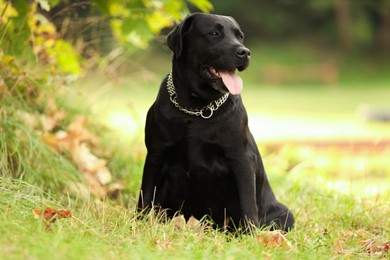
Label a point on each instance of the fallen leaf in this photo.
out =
(273, 239)
(66, 141)
(48, 123)
(90, 164)
(85, 160)
(338, 246)
(75, 141)
(78, 128)
(180, 222)
(95, 186)
(162, 245)
(194, 224)
(114, 189)
(51, 139)
(371, 245)
(50, 215)
(375, 246)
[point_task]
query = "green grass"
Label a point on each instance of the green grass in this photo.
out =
(326, 217)
(103, 230)
(339, 195)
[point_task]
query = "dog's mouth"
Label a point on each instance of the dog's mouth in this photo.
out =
(230, 80)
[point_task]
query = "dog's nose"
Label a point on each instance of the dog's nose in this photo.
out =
(242, 51)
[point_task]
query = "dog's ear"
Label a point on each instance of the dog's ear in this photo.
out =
(175, 37)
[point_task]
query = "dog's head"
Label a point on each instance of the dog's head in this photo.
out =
(212, 48)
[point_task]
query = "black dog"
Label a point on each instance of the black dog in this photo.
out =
(202, 158)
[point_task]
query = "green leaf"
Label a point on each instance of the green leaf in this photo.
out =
(133, 31)
(67, 59)
(103, 5)
(159, 20)
(203, 5)
(175, 8)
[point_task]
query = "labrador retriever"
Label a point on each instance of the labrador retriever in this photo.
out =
(202, 160)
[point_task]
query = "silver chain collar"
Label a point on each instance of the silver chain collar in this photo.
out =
(213, 106)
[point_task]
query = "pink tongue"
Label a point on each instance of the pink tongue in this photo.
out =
(231, 81)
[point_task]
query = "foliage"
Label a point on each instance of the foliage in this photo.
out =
(23, 154)
(27, 34)
(135, 22)
(46, 144)
(27, 30)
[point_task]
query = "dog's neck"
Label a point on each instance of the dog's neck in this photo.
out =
(205, 112)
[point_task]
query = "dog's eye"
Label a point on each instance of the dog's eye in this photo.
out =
(214, 33)
(241, 36)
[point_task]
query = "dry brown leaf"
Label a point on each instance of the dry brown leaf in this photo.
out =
(75, 134)
(373, 246)
(81, 133)
(85, 160)
(94, 169)
(51, 139)
(96, 187)
(194, 224)
(114, 189)
(338, 246)
(73, 141)
(273, 239)
(162, 245)
(50, 215)
(103, 175)
(180, 222)
(67, 141)
(377, 245)
(90, 164)
(48, 123)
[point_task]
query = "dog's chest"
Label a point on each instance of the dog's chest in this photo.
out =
(196, 150)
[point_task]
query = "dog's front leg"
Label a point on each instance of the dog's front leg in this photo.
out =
(149, 183)
(246, 184)
(153, 164)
